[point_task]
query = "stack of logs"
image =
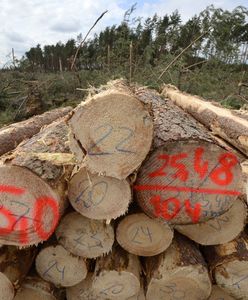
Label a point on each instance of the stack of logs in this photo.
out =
(132, 195)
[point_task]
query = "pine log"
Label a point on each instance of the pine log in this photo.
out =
(138, 234)
(229, 266)
(35, 288)
(219, 230)
(33, 183)
(83, 290)
(99, 197)
(14, 134)
(14, 266)
(141, 294)
(178, 273)
(114, 131)
(117, 275)
(188, 177)
(85, 237)
(225, 123)
(219, 294)
(58, 266)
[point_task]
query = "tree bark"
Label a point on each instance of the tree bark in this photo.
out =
(14, 134)
(35, 288)
(219, 230)
(140, 235)
(85, 237)
(14, 266)
(58, 266)
(117, 275)
(114, 130)
(188, 173)
(225, 123)
(99, 197)
(33, 186)
(178, 273)
(229, 266)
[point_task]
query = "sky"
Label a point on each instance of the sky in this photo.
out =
(26, 23)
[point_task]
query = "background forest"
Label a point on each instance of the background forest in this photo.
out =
(207, 56)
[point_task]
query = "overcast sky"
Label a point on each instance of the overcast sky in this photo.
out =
(25, 23)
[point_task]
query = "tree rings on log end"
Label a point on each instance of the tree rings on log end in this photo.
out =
(219, 230)
(115, 284)
(187, 182)
(115, 130)
(29, 207)
(6, 288)
(138, 234)
(85, 237)
(55, 264)
(219, 294)
(99, 197)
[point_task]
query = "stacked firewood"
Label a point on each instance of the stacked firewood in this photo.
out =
(132, 195)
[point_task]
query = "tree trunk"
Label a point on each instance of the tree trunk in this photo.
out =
(229, 266)
(14, 266)
(178, 273)
(33, 204)
(58, 266)
(85, 237)
(188, 177)
(219, 230)
(219, 294)
(117, 275)
(99, 197)
(223, 122)
(12, 135)
(35, 288)
(114, 130)
(138, 234)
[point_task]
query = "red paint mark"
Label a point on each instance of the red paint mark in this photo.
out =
(161, 208)
(185, 189)
(193, 212)
(160, 171)
(200, 166)
(11, 190)
(172, 161)
(9, 218)
(182, 173)
(227, 161)
(41, 204)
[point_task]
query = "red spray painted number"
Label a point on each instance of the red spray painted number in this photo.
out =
(221, 175)
(42, 204)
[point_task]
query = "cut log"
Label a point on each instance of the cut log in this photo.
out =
(229, 266)
(219, 230)
(219, 294)
(85, 237)
(14, 266)
(140, 296)
(55, 264)
(178, 273)
(83, 290)
(189, 177)
(187, 182)
(230, 126)
(117, 275)
(99, 197)
(114, 129)
(14, 134)
(138, 234)
(33, 204)
(35, 288)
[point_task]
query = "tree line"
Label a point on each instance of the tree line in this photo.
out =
(212, 34)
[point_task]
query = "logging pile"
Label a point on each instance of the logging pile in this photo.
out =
(131, 195)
